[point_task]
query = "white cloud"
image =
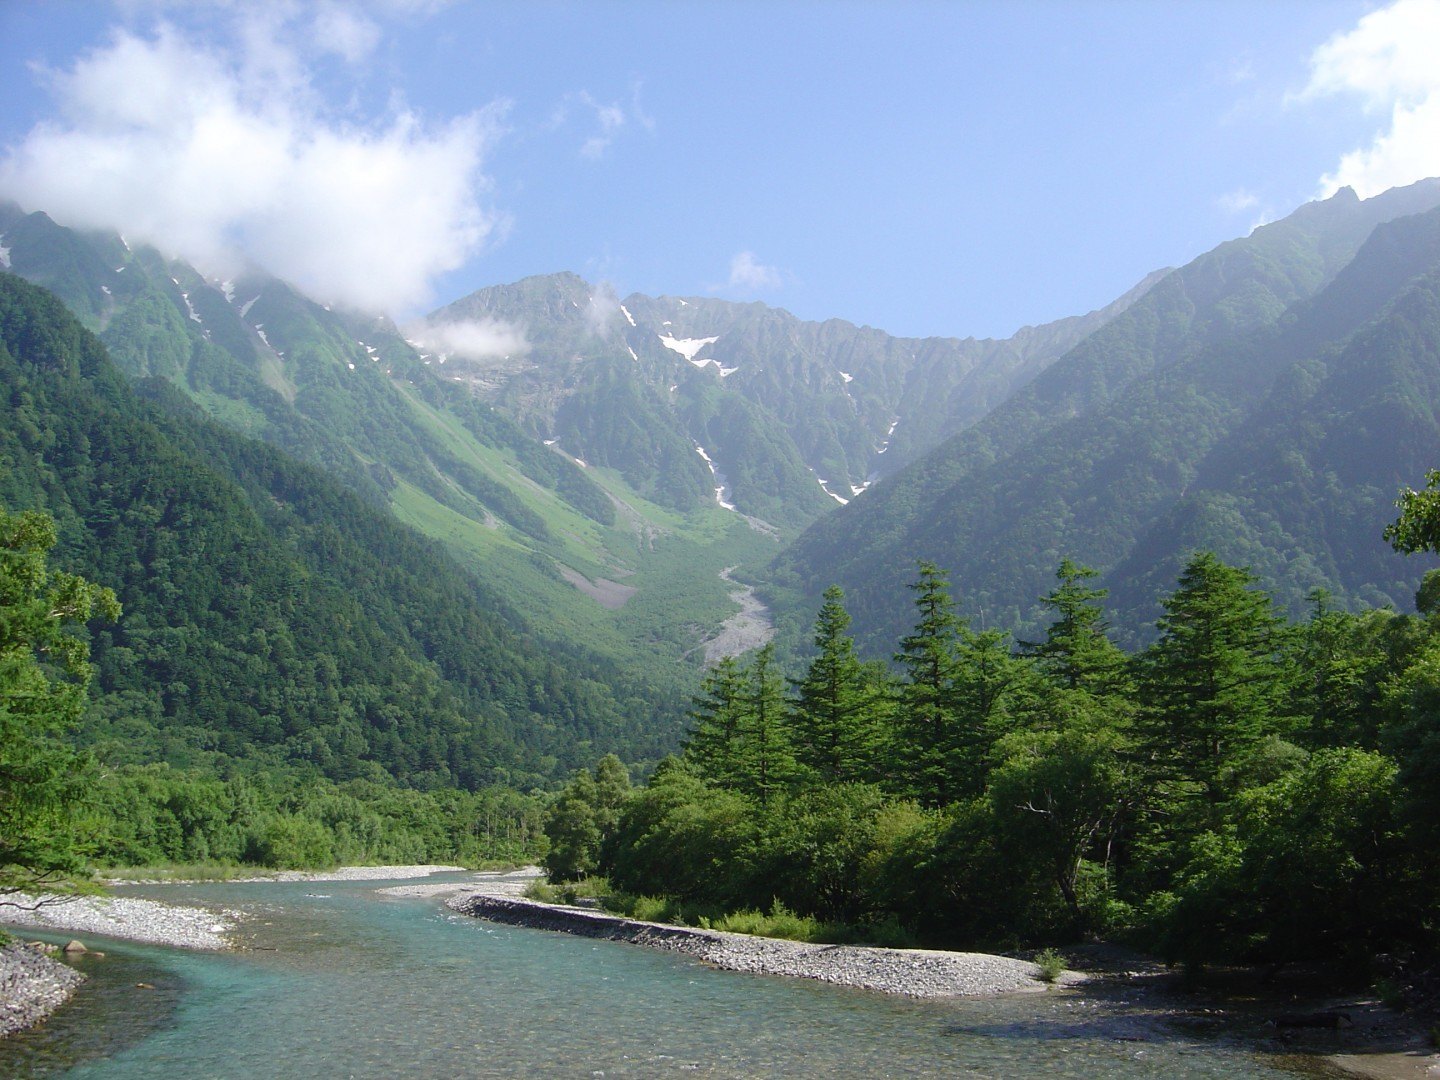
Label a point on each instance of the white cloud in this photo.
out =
(1389, 61)
(609, 119)
(603, 310)
(222, 155)
(345, 32)
(747, 273)
(470, 339)
(1238, 201)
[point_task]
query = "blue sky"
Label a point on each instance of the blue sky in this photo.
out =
(955, 168)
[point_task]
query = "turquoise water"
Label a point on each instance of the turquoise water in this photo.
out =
(344, 983)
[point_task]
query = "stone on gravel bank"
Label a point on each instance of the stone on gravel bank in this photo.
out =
(32, 986)
(131, 918)
(911, 972)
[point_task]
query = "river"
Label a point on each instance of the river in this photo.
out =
(341, 982)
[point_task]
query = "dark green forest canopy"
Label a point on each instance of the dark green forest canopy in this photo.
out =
(1244, 789)
(270, 613)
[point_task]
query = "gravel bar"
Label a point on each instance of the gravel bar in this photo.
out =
(130, 918)
(32, 986)
(923, 973)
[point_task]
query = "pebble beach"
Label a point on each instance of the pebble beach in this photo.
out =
(921, 973)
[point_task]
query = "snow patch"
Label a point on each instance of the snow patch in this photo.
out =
(632, 354)
(684, 303)
(103, 288)
(626, 312)
(688, 347)
(847, 376)
(190, 307)
(124, 243)
(889, 431)
(551, 442)
(260, 329)
(720, 499)
(4, 254)
(837, 498)
(245, 307)
(725, 372)
(349, 365)
(228, 289)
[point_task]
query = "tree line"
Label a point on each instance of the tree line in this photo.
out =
(1244, 788)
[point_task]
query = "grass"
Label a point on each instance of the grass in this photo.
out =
(778, 922)
(568, 892)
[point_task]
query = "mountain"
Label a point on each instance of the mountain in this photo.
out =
(788, 418)
(1267, 401)
(572, 547)
(270, 614)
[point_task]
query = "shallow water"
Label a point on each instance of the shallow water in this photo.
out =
(341, 982)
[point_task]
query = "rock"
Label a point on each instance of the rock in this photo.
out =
(31, 986)
(76, 946)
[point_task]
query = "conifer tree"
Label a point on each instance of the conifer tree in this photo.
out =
(835, 708)
(767, 759)
(926, 722)
(1209, 684)
(713, 746)
(1076, 653)
(987, 676)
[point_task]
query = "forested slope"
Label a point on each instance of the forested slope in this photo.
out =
(1136, 422)
(269, 612)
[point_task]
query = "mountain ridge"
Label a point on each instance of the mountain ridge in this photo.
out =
(1067, 465)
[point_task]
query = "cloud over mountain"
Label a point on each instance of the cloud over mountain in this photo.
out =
(224, 152)
(1388, 60)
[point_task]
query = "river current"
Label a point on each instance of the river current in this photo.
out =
(339, 981)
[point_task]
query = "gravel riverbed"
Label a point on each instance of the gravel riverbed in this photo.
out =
(131, 918)
(32, 986)
(912, 972)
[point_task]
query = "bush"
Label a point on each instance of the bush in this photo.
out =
(1051, 965)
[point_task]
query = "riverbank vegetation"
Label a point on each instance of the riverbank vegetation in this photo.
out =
(61, 811)
(1244, 789)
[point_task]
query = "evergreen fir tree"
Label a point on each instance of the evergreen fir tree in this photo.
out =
(767, 759)
(713, 746)
(835, 709)
(1209, 684)
(1076, 652)
(926, 722)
